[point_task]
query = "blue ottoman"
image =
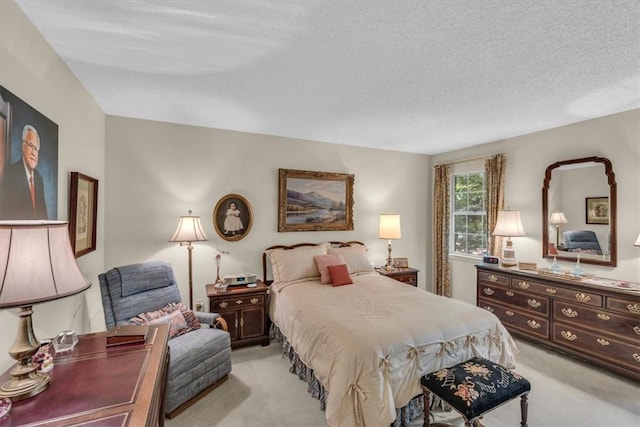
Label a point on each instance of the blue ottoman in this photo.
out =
(474, 388)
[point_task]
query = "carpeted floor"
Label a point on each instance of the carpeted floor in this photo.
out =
(565, 393)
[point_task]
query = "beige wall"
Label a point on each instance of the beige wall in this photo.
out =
(158, 171)
(616, 137)
(32, 71)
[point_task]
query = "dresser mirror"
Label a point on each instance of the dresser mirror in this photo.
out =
(579, 211)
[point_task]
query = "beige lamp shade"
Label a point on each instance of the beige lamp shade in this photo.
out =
(558, 218)
(37, 263)
(637, 243)
(189, 230)
(508, 224)
(389, 227)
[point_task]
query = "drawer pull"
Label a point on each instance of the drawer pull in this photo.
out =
(223, 304)
(569, 312)
(634, 308)
(534, 303)
(509, 313)
(551, 291)
(488, 291)
(569, 336)
(254, 300)
(242, 322)
(533, 324)
(509, 293)
(492, 278)
(636, 356)
(523, 285)
(489, 309)
(603, 316)
(636, 329)
(239, 301)
(602, 341)
(583, 297)
(236, 323)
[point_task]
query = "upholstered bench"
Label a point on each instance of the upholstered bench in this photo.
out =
(474, 388)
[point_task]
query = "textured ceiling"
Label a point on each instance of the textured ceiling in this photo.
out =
(417, 76)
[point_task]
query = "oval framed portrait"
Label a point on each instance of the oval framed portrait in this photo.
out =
(232, 217)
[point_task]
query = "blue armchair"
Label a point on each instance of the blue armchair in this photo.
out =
(199, 360)
(583, 240)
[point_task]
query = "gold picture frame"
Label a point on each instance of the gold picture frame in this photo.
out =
(597, 210)
(83, 213)
(401, 263)
(314, 201)
(232, 217)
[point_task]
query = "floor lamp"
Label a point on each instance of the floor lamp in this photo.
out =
(189, 230)
(558, 218)
(389, 230)
(37, 265)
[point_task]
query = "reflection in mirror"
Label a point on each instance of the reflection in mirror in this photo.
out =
(579, 211)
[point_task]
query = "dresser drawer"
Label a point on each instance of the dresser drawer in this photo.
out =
(579, 296)
(533, 286)
(593, 319)
(598, 345)
(623, 305)
(493, 278)
(239, 302)
(534, 303)
(517, 319)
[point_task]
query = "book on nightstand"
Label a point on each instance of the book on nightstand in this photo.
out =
(127, 334)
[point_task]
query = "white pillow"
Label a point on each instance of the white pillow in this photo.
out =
(288, 265)
(355, 257)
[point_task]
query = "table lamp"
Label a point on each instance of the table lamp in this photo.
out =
(508, 225)
(390, 230)
(637, 243)
(189, 230)
(556, 219)
(37, 265)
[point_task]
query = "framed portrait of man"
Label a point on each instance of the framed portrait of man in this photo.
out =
(29, 161)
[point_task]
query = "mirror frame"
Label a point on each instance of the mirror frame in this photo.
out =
(611, 179)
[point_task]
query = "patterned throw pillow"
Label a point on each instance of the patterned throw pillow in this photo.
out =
(182, 319)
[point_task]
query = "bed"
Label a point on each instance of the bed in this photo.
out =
(368, 343)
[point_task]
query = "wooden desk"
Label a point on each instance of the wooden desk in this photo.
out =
(95, 386)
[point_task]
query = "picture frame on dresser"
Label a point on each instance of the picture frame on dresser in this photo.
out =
(83, 213)
(314, 201)
(400, 262)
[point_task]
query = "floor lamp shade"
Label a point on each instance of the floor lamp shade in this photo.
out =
(37, 264)
(508, 225)
(189, 230)
(389, 230)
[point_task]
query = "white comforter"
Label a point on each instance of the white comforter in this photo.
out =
(369, 343)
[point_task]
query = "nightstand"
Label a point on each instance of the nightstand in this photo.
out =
(404, 275)
(245, 310)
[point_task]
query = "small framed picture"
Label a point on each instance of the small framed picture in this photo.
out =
(400, 262)
(83, 212)
(232, 217)
(597, 210)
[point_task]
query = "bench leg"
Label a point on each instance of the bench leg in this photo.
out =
(427, 407)
(524, 406)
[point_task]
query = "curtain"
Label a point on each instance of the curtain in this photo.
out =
(494, 184)
(441, 204)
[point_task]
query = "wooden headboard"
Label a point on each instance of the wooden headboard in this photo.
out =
(297, 245)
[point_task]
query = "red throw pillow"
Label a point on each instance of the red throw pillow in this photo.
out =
(339, 274)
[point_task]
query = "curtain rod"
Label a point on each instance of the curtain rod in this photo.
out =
(470, 159)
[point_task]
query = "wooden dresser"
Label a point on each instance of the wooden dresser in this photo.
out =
(99, 386)
(594, 319)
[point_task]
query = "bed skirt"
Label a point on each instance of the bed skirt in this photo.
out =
(404, 415)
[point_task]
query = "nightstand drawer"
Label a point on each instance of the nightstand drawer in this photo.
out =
(239, 302)
(409, 279)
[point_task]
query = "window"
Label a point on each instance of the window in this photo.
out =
(468, 214)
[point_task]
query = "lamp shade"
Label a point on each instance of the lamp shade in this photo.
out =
(637, 243)
(508, 224)
(189, 230)
(37, 263)
(389, 227)
(558, 218)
